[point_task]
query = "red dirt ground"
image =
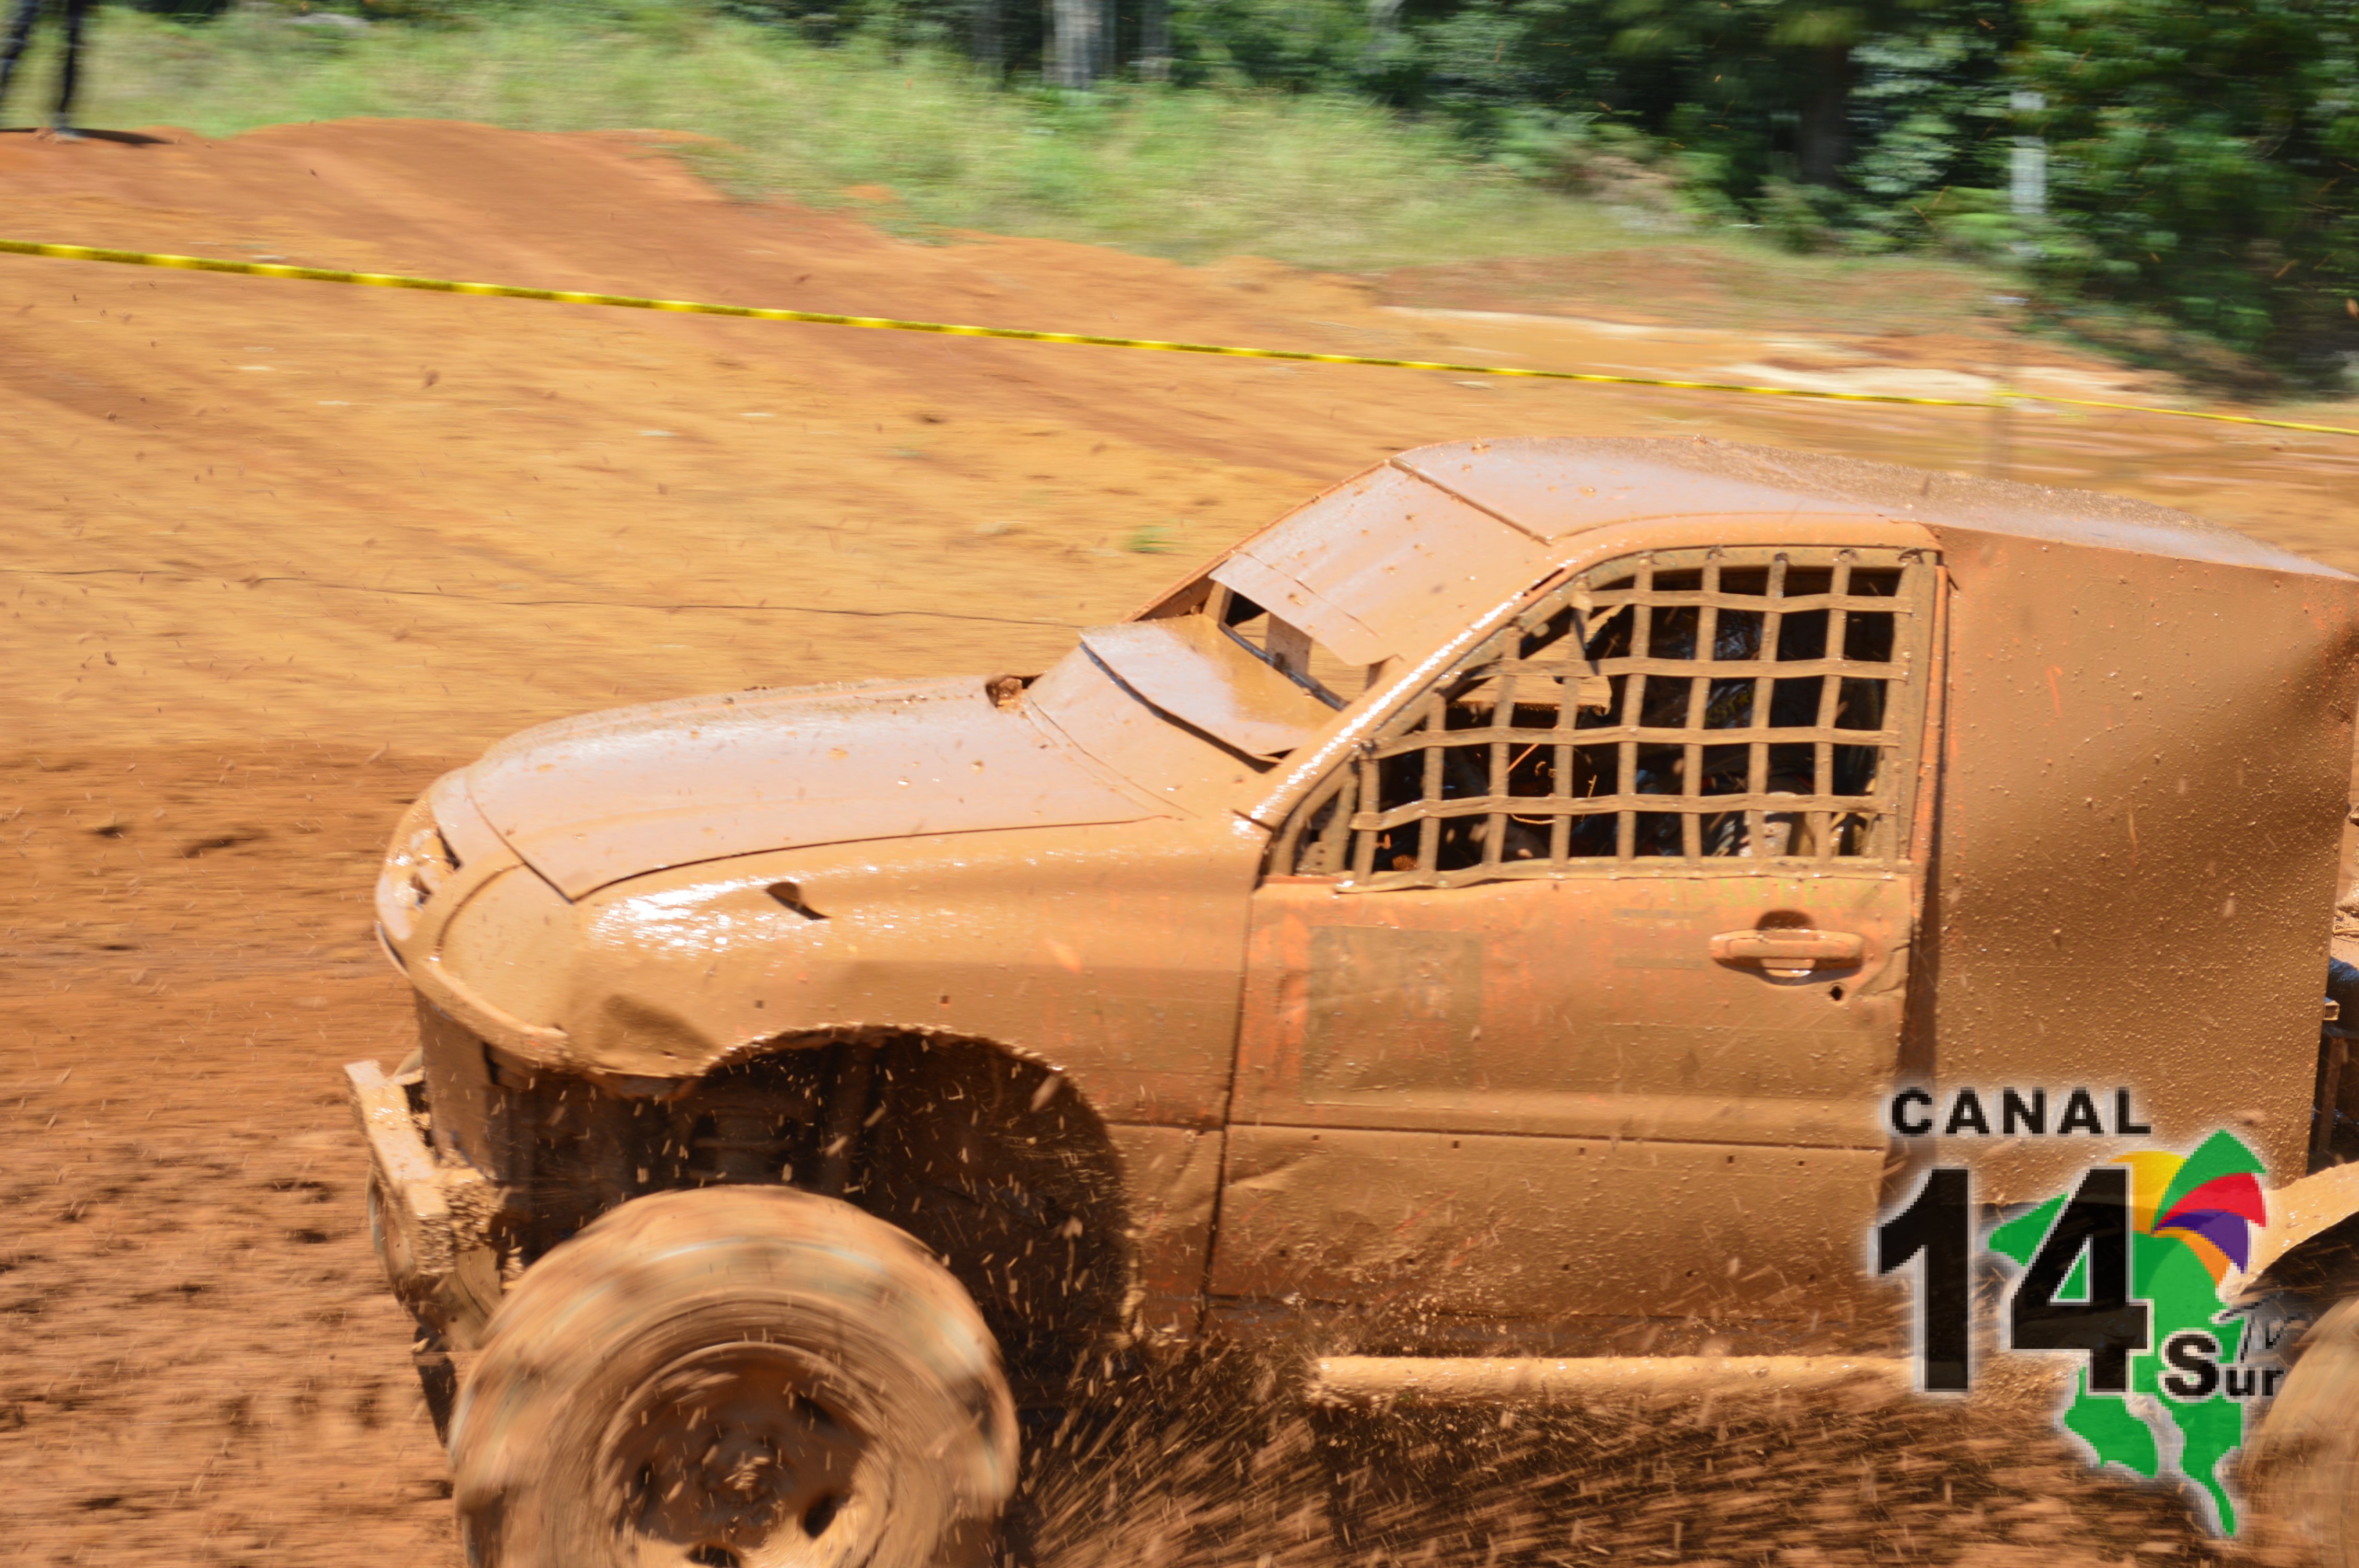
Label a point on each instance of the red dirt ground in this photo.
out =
(280, 552)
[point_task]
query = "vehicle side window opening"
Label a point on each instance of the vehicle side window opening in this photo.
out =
(1677, 708)
(1285, 647)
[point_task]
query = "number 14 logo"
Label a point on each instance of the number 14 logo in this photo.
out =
(2073, 1295)
(2128, 1269)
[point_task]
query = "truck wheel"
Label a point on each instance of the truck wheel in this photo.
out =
(734, 1377)
(2304, 1466)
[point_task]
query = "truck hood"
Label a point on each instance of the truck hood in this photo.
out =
(589, 801)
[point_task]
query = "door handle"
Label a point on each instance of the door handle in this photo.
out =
(1789, 952)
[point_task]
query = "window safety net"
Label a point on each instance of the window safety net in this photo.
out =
(1686, 708)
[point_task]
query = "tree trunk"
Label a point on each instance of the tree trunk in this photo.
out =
(1155, 40)
(989, 19)
(1078, 42)
(1822, 139)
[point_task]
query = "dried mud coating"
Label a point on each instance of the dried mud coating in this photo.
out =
(203, 745)
(810, 1385)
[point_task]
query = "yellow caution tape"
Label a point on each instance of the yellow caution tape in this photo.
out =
(952, 330)
(2183, 414)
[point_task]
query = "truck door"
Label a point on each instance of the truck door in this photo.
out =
(1574, 996)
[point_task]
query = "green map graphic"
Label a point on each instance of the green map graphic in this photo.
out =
(2169, 1272)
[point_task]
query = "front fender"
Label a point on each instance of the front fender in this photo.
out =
(1114, 954)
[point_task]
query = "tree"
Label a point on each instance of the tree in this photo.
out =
(1795, 56)
(2204, 158)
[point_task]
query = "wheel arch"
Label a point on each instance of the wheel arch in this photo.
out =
(991, 1156)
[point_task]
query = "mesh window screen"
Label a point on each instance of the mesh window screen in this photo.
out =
(1687, 707)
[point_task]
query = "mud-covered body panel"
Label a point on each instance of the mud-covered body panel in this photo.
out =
(1444, 1231)
(591, 801)
(1420, 1009)
(2148, 765)
(972, 934)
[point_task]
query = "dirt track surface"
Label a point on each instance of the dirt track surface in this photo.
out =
(280, 552)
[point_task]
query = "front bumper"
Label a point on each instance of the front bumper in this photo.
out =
(429, 1220)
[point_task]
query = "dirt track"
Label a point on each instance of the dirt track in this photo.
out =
(278, 553)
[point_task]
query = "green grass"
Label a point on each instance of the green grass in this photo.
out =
(1324, 182)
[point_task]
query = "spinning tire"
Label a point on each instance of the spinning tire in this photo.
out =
(733, 1378)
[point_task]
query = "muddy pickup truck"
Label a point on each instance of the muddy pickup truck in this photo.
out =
(1466, 940)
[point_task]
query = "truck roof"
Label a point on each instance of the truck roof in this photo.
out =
(1376, 562)
(1553, 486)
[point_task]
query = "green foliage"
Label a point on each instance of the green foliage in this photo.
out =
(1930, 111)
(2204, 162)
(1152, 539)
(939, 24)
(1799, 217)
(1299, 44)
(184, 10)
